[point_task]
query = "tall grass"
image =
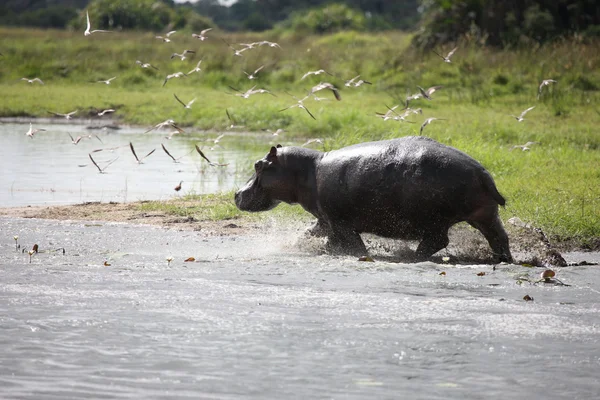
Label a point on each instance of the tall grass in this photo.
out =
(555, 185)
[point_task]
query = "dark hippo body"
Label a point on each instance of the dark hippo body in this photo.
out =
(408, 188)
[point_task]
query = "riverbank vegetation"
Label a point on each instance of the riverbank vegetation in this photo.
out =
(554, 185)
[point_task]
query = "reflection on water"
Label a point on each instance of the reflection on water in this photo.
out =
(50, 169)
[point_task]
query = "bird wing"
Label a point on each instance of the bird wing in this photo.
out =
(452, 52)
(202, 154)
(99, 169)
(202, 32)
(89, 26)
(133, 151)
(167, 151)
(433, 89)
(177, 98)
(526, 111)
(309, 113)
(153, 150)
(258, 69)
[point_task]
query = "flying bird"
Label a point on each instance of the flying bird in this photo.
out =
(520, 118)
(233, 122)
(145, 65)
(166, 123)
(182, 56)
(175, 160)
(253, 75)
(78, 138)
(33, 80)
(523, 147)
(186, 106)
(139, 160)
(175, 75)
(32, 131)
(236, 52)
(212, 164)
(166, 37)
(427, 93)
(104, 112)
(545, 82)
(250, 92)
(318, 72)
(107, 81)
(328, 86)
(447, 58)
(197, 68)
(202, 35)
(101, 170)
(427, 122)
(355, 82)
(299, 104)
(67, 116)
(88, 30)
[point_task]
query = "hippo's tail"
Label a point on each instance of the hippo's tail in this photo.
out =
(491, 187)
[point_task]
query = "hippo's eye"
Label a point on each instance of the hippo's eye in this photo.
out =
(258, 166)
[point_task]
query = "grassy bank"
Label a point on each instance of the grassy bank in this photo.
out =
(555, 185)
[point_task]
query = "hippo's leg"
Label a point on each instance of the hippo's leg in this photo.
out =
(343, 240)
(433, 241)
(496, 236)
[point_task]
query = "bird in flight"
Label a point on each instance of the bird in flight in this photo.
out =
(166, 37)
(175, 75)
(250, 92)
(33, 80)
(427, 93)
(88, 30)
(175, 160)
(163, 124)
(356, 83)
(427, 122)
(329, 86)
(299, 104)
(67, 116)
(253, 75)
(139, 160)
(101, 170)
(107, 81)
(523, 147)
(196, 69)
(520, 118)
(186, 106)
(182, 56)
(145, 65)
(212, 164)
(104, 112)
(318, 72)
(545, 82)
(32, 131)
(237, 52)
(447, 58)
(233, 122)
(202, 35)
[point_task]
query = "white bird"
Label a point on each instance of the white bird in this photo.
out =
(104, 112)
(253, 75)
(32, 131)
(520, 117)
(299, 104)
(236, 52)
(182, 55)
(356, 83)
(250, 92)
(78, 138)
(166, 37)
(145, 65)
(326, 85)
(175, 75)
(107, 81)
(88, 30)
(523, 147)
(545, 82)
(310, 141)
(278, 132)
(427, 93)
(186, 106)
(233, 122)
(201, 35)
(197, 68)
(33, 80)
(318, 72)
(447, 58)
(67, 116)
(163, 124)
(427, 122)
(175, 160)
(267, 43)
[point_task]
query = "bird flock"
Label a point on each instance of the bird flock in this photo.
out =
(393, 113)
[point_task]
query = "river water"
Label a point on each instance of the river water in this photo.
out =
(50, 169)
(264, 317)
(260, 317)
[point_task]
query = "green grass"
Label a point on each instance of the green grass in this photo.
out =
(555, 185)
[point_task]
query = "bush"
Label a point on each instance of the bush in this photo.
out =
(328, 19)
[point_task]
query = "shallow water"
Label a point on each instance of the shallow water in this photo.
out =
(49, 169)
(261, 317)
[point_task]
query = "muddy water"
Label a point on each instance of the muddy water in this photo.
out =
(266, 317)
(50, 169)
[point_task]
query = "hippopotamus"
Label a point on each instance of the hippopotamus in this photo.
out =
(411, 188)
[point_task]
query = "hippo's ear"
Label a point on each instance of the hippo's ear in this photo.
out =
(279, 146)
(272, 156)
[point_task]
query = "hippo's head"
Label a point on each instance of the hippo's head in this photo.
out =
(270, 184)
